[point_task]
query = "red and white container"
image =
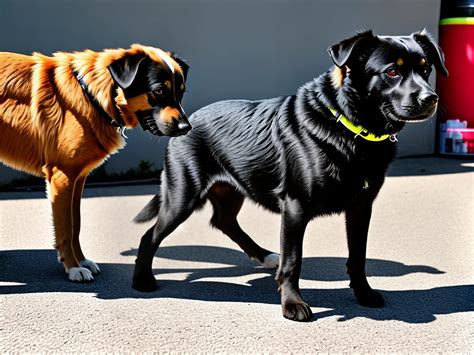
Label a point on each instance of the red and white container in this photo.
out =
(456, 113)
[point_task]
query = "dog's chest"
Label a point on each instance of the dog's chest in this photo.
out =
(338, 186)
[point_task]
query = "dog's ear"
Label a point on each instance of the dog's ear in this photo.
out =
(124, 70)
(357, 47)
(184, 66)
(433, 52)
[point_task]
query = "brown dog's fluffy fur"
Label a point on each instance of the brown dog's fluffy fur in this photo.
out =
(50, 128)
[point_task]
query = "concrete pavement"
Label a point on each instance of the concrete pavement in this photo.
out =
(211, 298)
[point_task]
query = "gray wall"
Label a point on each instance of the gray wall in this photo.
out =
(236, 48)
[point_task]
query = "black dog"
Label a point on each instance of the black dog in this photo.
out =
(324, 150)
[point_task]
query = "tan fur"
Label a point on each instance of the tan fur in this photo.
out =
(220, 189)
(50, 128)
(338, 75)
(128, 108)
(168, 113)
(400, 62)
(422, 61)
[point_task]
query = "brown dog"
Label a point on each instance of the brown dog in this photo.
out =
(61, 116)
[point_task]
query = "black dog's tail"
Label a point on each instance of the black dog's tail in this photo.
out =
(150, 211)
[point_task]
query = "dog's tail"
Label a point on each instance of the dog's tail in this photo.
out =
(150, 211)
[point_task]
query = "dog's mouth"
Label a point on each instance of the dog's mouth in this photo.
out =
(178, 128)
(148, 123)
(391, 113)
(412, 119)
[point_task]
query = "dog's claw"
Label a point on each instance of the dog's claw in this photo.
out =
(297, 311)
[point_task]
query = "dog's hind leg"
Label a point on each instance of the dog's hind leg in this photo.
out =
(61, 192)
(76, 227)
(170, 216)
(227, 202)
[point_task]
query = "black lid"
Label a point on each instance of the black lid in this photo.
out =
(457, 8)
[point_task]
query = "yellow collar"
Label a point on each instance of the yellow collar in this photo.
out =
(361, 131)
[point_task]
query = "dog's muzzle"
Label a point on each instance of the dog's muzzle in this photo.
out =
(148, 123)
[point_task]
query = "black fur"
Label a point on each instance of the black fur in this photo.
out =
(292, 157)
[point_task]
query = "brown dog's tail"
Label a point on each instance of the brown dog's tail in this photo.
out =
(150, 211)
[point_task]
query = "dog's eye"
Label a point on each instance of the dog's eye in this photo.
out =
(158, 92)
(425, 71)
(392, 72)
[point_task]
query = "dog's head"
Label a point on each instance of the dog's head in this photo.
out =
(151, 85)
(386, 76)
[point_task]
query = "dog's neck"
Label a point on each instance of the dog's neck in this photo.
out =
(92, 68)
(113, 121)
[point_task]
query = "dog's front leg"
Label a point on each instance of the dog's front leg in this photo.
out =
(357, 226)
(293, 225)
(76, 227)
(61, 191)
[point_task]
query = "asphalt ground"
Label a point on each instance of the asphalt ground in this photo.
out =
(211, 298)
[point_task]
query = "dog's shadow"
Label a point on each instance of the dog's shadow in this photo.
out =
(34, 271)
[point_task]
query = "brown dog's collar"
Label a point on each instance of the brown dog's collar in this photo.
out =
(120, 127)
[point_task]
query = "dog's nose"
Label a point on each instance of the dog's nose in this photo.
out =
(184, 127)
(429, 99)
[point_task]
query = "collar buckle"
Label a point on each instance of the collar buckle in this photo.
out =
(120, 128)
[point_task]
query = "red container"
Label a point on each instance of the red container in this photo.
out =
(457, 91)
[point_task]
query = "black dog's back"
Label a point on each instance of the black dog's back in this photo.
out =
(235, 141)
(212, 152)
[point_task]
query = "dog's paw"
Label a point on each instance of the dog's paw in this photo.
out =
(369, 298)
(80, 274)
(92, 266)
(271, 261)
(297, 311)
(144, 283)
